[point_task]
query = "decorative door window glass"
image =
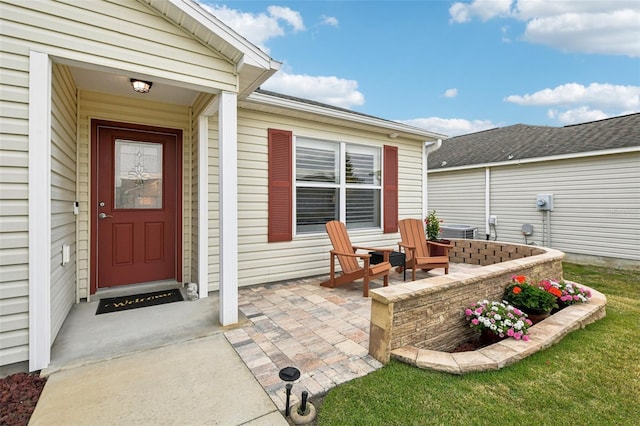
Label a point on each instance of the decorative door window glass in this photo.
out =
(138, 175)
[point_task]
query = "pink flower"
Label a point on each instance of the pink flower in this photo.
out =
(525, 338)
(517, 335)
(517, 311)
(475, 321)
(528, 321)
(468, 312)
(510, 332)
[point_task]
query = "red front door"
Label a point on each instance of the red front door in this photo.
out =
(135, 204)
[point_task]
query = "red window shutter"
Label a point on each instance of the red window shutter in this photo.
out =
(390, 186)
(280, 186)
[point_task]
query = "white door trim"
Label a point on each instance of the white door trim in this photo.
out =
(39, 210)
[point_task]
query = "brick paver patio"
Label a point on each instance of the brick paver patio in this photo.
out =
(321, 331)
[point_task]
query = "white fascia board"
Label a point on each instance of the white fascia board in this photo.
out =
(540, 159)
(251, 54)
(391, 126)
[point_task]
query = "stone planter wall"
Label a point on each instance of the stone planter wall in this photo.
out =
(428, 313)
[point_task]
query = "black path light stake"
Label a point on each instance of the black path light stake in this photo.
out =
(289, 374)
(303, 406)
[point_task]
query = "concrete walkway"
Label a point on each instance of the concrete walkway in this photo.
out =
(196, 382)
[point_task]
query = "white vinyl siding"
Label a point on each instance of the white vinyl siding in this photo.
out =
(307, 255)
(63, 195)
(458, 198)
(126, 35)
(14, 196)
(596, 202)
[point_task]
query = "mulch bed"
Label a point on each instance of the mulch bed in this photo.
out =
(19, 394)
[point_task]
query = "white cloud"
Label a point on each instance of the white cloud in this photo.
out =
(329, 20)
(450, 126)
(572, 26)
(583, 103)
(613, 97)
(484, 9)
(577, 115)
(451, 93)
(291, 17)
(331, 90)
(258, 28)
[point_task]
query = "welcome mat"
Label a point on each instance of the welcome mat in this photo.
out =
(115, 304)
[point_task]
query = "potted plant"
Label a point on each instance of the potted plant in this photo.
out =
(498, 318)
(566, 292)
(432, 228)
(531, 298)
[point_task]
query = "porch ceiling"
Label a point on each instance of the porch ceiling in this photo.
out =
(120, 85)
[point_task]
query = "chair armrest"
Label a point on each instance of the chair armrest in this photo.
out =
(373, 249)
(406, 246)
(439, 244)
(360, 255)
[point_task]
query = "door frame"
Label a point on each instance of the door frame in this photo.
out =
(93, 210)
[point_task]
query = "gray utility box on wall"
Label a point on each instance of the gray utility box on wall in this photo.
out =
(544, 201)
(465, 232)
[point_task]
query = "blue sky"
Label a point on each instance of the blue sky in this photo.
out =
(452, 67)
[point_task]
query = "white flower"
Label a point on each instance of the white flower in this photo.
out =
(497, 317)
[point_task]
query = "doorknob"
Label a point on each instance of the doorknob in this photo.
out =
(104, 216)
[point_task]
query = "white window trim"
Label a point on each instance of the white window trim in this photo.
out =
(342, 186)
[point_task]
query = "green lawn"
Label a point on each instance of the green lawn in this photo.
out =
(592, 377)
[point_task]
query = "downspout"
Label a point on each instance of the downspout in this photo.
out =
(487, 201)
(427, 149)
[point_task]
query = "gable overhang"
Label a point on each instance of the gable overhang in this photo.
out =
(518, 162)
(325, 114)
(253, 66)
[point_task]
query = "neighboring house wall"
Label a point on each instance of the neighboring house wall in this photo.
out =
(596, 204)
(458, 197)
(306, 255)
(63, 194)
(129, 110)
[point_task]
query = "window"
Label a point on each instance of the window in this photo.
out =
(336, 181)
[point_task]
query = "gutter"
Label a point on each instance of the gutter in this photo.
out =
(427, 149)
(517, 162)
(394, 129)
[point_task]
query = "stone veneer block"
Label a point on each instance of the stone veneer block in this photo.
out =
(474, 361)
(406, 354)
(549, 333)
(523, 349)
(502, 355)
(435, 360)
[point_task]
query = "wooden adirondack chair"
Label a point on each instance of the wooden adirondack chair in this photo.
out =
(348, 259)
(418, 250)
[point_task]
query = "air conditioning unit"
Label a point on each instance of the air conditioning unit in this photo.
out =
(464, 232)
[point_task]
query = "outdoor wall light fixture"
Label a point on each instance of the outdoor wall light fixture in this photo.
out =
(141, 86)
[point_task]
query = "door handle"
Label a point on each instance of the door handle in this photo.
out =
(104, 216)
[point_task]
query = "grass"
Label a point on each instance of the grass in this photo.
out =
(591, 377)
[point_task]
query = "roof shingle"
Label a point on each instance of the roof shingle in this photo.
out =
(521, 141)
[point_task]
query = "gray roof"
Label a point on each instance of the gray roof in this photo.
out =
(520, 142)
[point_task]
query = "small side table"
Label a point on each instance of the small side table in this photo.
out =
(396, 258)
